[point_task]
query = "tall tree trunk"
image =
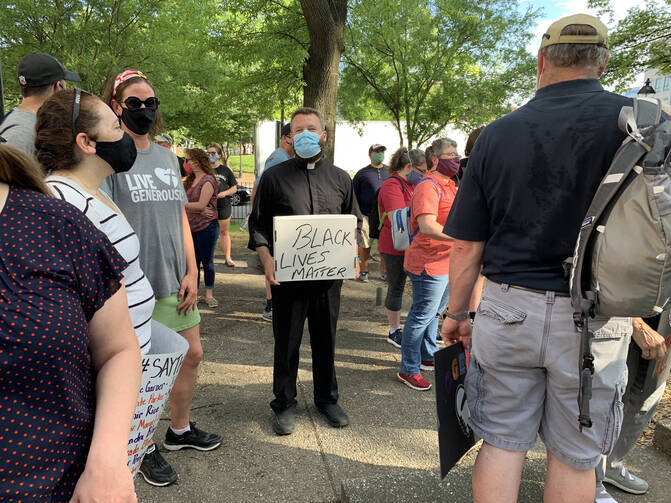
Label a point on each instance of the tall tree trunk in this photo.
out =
(326, 24)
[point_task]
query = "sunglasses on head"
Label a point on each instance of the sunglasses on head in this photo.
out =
(75, 108)
(133, 102)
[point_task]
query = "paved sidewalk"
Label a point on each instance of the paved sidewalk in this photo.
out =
(389, 453)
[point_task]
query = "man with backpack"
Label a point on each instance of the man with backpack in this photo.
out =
(367, 183)
(530, 178)
(40, 75)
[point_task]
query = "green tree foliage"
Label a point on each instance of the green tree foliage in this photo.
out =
(295, 48)
(640, 41)
(267, 41)
(204, 94)
(425, 64)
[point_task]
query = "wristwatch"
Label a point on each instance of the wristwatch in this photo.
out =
(458, 317)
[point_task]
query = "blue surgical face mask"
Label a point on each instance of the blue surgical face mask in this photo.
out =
(413, 177)
(306, 144)
(213, 158)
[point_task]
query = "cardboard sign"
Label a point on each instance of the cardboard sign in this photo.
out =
(159, 371)
(455, 437)
(314, 247)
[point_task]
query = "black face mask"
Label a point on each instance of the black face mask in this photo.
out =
(119, 154)
(140, 120)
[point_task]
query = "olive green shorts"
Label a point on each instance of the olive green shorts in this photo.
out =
(165, 311)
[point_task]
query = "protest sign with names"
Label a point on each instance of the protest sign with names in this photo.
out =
(159, 371)
(314, 247)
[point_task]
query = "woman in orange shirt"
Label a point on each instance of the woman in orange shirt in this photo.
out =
(427, 262)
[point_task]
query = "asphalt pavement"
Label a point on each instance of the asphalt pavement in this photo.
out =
(389, 452)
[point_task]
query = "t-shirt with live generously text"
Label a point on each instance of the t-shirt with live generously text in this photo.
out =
(152, 198)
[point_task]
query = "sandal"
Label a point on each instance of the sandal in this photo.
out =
(230, 263)
(211, 302)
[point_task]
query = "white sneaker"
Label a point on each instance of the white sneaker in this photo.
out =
(602, 495)
(628, 482)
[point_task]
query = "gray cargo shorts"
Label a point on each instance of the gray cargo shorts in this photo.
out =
(523, 378)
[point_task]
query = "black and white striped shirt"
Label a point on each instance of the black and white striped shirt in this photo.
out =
(117, 229)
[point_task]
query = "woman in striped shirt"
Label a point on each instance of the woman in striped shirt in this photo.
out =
(76, 170)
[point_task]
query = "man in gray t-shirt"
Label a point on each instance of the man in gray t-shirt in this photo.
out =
(40, 75)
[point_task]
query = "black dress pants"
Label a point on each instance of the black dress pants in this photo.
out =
(319, 302)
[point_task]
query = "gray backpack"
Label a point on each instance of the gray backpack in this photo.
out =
(622, 260)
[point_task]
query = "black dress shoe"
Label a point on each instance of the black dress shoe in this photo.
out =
(334, 414)
(284, 422)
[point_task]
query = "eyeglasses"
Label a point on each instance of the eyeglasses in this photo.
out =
(75, 108)
(133, 102)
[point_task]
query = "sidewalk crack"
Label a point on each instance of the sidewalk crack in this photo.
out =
(322, 453)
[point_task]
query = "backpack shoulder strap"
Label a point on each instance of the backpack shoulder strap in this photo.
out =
(440, 191)
(400, 182)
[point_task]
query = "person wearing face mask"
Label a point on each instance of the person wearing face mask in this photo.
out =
(367, 182)
(153, 199)
(305, 185)
(418, 160)
(395, 193)
(228, 186)
(76, 170)
(427, 262)
(40, 76)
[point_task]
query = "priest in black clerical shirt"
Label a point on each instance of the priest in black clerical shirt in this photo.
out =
(305, 185)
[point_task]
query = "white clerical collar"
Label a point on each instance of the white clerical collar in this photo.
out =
(311, 165)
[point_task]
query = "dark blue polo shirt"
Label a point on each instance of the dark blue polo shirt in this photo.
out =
(530, 179)
(367, 182)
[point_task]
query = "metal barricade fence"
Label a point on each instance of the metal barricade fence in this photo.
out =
(241, 201)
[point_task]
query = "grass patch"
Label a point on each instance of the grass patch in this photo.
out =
(246, 160)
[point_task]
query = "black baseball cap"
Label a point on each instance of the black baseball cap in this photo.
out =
(376, 147)
(38, 69)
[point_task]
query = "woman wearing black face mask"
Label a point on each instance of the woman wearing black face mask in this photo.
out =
(153, 199)
(79, 142)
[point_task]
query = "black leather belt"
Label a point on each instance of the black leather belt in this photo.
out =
(543, 292)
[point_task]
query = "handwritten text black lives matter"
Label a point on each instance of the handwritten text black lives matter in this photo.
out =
(158, 375)
(310, 251)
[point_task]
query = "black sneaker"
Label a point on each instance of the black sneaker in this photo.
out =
(268, 314)
(192, 439)
(156, 470)
(395, 338)
(334, 415)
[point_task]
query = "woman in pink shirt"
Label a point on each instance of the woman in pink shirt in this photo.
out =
(395, 193)
(201, 190)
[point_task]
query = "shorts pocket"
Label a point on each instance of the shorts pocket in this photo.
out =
(610, 328)
(614, 420)
(475, 390)
(497, 310)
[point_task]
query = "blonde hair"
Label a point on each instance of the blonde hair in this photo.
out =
(18, 169)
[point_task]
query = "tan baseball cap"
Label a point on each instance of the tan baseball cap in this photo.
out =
(553, 34)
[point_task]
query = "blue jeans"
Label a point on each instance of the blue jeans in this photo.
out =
(429, 298)
(204, 242)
